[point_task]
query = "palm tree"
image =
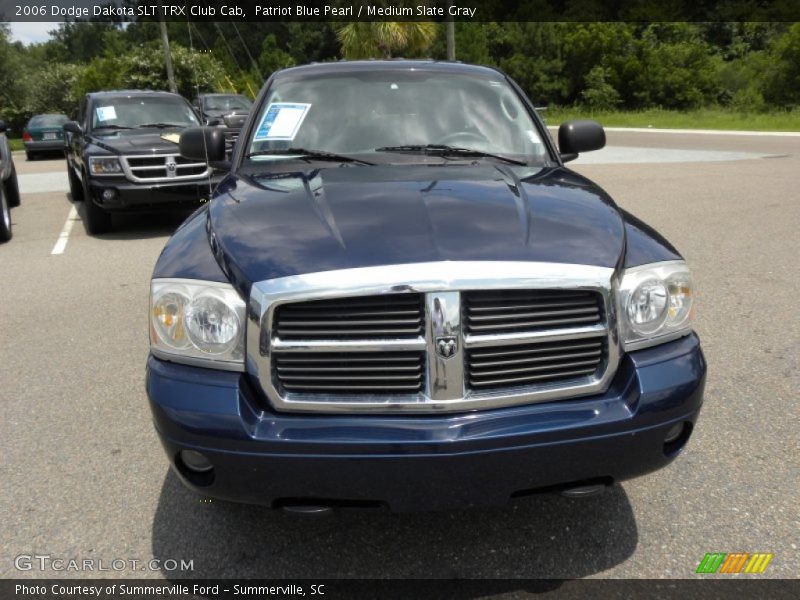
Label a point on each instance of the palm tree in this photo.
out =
(385, 39)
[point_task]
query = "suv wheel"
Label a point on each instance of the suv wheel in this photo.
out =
(5, 218)
(75, 185)
(97, 219)
(12, 188)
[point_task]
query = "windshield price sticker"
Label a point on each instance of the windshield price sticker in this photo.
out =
(106, 113)
(282, 121)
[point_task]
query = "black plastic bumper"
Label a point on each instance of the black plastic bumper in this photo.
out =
(125, 196)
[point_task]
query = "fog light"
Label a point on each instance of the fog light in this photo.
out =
(676, 438)
(109, 195)
(195, 461)
(674, 433)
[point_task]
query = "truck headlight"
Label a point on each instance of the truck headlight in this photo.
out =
(197, 322)
(104, 165)
(656, 304)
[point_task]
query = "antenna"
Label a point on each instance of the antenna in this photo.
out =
(197, 93)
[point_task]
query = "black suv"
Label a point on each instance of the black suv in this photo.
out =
(122, 155)
(213, 108)
(226, 111)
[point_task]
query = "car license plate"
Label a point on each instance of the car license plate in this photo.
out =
(50, 136)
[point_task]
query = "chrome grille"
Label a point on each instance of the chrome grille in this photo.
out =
(231, 137)
(497, 311)
(350, 373)
(520, 364)
(152, 168)
(445, 336)
(394, 316)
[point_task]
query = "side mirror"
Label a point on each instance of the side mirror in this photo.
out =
(213, 122)
(73, 127)
(206, 144)
(235, 121)
(575, 137)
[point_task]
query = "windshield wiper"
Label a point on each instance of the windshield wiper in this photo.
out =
(161, 125)
(306, 153)
(442, 150)
(112, 127)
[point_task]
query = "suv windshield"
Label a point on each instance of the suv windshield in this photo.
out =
(131, 112)
(226, 103)
(396, 114)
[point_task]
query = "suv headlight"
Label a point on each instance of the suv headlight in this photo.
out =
(104, 165)
(198, 323)
(656, 304)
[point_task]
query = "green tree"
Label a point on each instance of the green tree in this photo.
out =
(382, 39)
(272, 57)
(14, 85)
(599, 94)
(678, 68)
(82, 41)
(782, 73)
(54, 91)
(532, 54)
(143, 68)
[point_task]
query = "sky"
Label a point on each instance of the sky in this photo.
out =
(30, 33)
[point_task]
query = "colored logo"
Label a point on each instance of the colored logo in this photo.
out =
(737, 562)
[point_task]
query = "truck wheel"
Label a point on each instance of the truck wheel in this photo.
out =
(75, 186)
(12, 188)
(5, 218)
(97, 220)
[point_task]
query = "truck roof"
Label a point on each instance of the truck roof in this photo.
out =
(109, 93)
(345, 66)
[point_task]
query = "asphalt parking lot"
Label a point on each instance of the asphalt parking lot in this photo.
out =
(84, 475)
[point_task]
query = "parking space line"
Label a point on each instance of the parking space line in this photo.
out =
(63, 237)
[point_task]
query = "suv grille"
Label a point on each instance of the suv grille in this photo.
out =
(433, 337)
(163, 167)
(506, 311)
(390, 316)
(231, 137)
(350, 373)
(514, 365)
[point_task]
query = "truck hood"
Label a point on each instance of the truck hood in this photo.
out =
(335, 218)
(144, 142)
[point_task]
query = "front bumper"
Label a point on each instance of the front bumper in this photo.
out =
(424, 462)
(128, 196)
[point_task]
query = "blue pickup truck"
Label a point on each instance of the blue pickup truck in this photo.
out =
(399, 297)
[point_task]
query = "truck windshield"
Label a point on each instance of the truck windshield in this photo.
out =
(226, 103)
(392, 115)
(132, 112)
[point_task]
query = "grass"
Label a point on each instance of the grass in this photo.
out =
(16, 144)
(707, 118)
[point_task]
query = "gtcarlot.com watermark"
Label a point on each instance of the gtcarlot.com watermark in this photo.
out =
(60, 564)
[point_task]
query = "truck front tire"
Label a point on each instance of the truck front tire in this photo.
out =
(5, 217)
(12, 188)
(97, 220)
(75, 185)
